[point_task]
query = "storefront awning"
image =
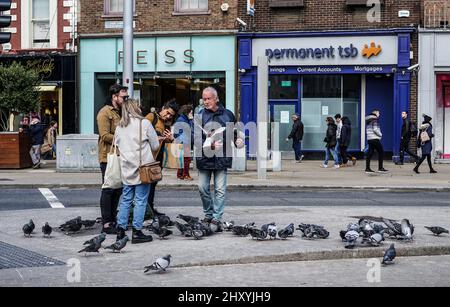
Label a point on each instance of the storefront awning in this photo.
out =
(46, 88)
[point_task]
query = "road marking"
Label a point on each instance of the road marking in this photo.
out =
(51, 198)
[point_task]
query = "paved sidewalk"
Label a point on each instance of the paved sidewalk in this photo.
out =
(306, 175)
(222, 252)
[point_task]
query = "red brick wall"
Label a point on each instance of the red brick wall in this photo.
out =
(157, 15)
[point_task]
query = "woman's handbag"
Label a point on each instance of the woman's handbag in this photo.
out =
(424, 137)
(151, 172)
(113, 174)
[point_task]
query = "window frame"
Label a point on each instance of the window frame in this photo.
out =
(179, 11)
(41, 43)
(107, 9)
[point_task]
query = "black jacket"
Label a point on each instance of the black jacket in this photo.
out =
(330, 137)
(222, 116)
(297, 131)
(36, 134)
(346, 132)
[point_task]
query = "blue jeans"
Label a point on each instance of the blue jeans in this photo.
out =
(213, 207)
(331, 152)
(297, 149)
(337, 150)
(138, 193)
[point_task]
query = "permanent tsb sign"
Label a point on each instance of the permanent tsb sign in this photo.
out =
(348, 50)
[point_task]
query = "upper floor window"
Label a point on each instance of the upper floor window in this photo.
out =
(41, 23)
(115, 7)
(191, 6)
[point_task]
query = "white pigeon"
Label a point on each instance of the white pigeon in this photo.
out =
(406, 229)
(161, 264)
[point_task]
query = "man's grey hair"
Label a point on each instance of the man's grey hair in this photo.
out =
(213, 91)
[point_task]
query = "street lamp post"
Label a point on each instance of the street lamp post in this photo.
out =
(128, 46)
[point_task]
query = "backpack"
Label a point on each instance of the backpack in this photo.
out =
(413, 129)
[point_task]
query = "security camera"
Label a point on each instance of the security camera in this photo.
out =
(241, 22)
(414, 67)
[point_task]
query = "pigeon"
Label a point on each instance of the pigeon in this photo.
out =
(28, 228)
(407, 229)
(228, 226)
(322, 233)
(188, 219)
(162, 232)
(286, 231)
(183, 228)
(389, 255)
(92, 248)
(394, 228)
(351, 237)
(100, 238)
(164, 220)
(242, 231)
(160, 265)
(196, 233)
(342, 234)
(119, 245)
(436, 230)
(47, 230)
(258, 234)
(271, 230)
(376, 239)
(72, 225)
(89, 223)
(354, 227)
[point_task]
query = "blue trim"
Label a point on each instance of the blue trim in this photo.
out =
(372, 32)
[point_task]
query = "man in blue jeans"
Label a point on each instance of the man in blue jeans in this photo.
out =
(214, 160)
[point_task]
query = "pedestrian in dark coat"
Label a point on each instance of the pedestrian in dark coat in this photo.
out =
(37, 139)
(330, 140)
(346, 136)
(297, 136)
(425, 144)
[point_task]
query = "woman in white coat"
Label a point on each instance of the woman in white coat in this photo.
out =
(127, 139)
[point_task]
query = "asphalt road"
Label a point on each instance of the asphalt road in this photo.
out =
(23, 199)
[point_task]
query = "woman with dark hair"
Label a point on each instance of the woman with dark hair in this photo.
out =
(184, 134)
(330, 139)
(424, 142)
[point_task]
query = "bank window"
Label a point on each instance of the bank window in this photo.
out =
(115, 7)
(41, 23)
(191, 6)
(283, 87)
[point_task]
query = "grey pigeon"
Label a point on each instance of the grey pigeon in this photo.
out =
(72, 225)
(98, 239)
(258, 234)
(164, 220)
(239, 230)
(286, 231)
(118, 245)
(389, 255)
(28, 228)
(351, 237)
(342, 234)
(160, 265)
(376, 239)
(162, 232)
(183, 228)
(407, 229)
(436, 230)
(47, 230)
(91, 248)
(354, 227)
(272, 231)
(228, 225)
(196, 233)
(88, 223)
(188, 219)
(394, 228)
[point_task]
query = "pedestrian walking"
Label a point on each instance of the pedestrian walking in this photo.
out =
(330, 140)
(408, 130)
(162, 123)
(36, 139)
(425, 144)
(135, 138)
(337, 149)
(185, 137)
(214, 160)
(48, 150)
(345, 139)
(297, 136)
(374, 135)
(107, 120)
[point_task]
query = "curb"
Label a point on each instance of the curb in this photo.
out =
(241, 187)
(328, 255)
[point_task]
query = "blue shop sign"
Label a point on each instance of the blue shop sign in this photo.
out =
(317, 70)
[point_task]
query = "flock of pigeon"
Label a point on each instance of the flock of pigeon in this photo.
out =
(367, 231)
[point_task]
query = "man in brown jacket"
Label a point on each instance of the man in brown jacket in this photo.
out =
(162, 123)
(107, 120)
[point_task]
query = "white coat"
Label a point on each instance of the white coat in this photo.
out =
(127, 140)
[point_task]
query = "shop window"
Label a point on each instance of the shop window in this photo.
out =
(328, 95)
(115, 7)
(191, 6)
(41, 23)
(283, 87)
(286, 3)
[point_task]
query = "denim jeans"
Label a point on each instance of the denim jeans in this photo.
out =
(35, 154)
(297, 150)
(337, 150)
(331, 152)
(213, 207)
(138, 193)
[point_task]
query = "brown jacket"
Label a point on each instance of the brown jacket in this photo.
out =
(107, 120)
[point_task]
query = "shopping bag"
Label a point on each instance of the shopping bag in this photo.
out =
(113, 174)
(173, 156)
